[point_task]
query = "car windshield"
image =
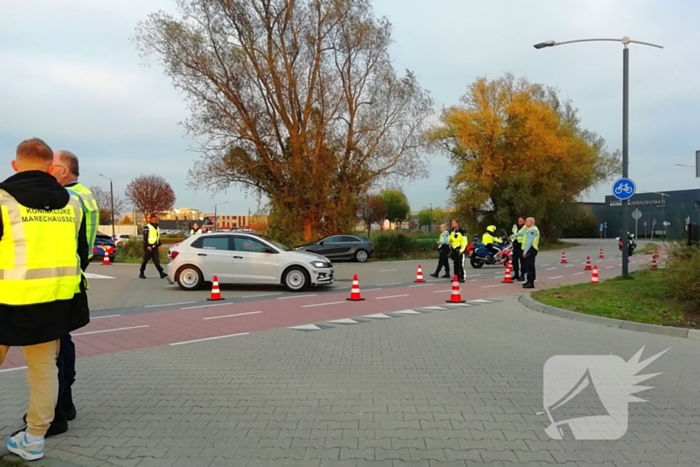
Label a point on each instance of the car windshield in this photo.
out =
(276, 244)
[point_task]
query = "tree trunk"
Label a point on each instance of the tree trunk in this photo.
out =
(308, 229)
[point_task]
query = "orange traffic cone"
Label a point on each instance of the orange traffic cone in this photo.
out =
(419, 275)
(215, 292)
(601, 255)
(507, 279)
(105, 259)
(653, 262)
(563, 258)
(595, 278)
(455, 296)
(355, 295)
(588, 264)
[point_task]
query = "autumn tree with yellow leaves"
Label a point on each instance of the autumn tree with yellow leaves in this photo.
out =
(519, 150)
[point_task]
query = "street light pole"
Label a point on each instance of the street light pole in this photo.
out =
(111, 197)
(625, 127)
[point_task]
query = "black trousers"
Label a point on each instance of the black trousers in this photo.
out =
(444, 262)
(458, 260)
(528, 266)
(151, 255)
(517, 258)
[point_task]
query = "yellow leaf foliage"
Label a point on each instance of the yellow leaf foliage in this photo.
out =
(518, 151)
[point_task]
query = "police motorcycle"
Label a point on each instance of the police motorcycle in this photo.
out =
(632, 245)
(479, 255)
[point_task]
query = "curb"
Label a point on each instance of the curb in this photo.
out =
(528, 302)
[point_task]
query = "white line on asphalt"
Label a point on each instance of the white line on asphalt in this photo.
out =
(323, 304)
(169, 304)
(110, 330)
(100, 317)
(391, 296)
(551, 269)
(298, 296)
(14, 369)
(545, 265)
(415, 285)
(577, 273)
(233, 316)
(443, 291)
(473, 275)
(569, 265)
(609, 267)
(491, 286)
(262, 295)
(211, 338)
(204, 306)
(555, 277)
(388, 270)
(391, 283)
(472, 280)
(372, 290)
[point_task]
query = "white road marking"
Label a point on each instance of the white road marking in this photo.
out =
(262, 295)
(110, 330)
(443, 291)
(372, 290)
(555, 277)
(233, 316)
(390, 283)
(609, 267)
(343, 321)
(473, 275)
(480, 300)
(89, 275)
(407, 312)
(298, 296)
(378, 316)
(434, 308)
(577, 273)
(418, 285)
(388, 270)
(472, 280)
(210, 338)
(569, 265)
(108, 316)
(491, 286)
(204, 306)
(459, 304)
(169, 304)
(14, 369)
(551, 269)
(323, 304)
(306, 327)
(391, 296)
(545, 265)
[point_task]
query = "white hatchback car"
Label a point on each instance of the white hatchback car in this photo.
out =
(243, 258)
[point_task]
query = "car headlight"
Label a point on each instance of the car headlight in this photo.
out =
(320, 264)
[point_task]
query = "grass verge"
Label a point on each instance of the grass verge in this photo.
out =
(644, 298)
(647, 249)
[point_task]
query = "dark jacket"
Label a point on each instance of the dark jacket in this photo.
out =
(35, 324)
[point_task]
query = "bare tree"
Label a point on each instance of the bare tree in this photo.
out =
(297, 100)
(150, 194)
(371, 209)
(104, 202)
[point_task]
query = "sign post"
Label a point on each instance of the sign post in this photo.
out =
(636, 215)
(623, 189)
(600, 228)
(645, 229)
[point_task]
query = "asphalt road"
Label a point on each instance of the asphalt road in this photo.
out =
(117, 287)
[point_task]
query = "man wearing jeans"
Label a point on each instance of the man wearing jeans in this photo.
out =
(42, 245)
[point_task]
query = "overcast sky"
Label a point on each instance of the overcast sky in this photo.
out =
(71, 76)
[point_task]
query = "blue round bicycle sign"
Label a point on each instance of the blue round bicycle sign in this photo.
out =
(624, 189)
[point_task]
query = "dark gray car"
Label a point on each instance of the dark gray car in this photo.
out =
(342, 247)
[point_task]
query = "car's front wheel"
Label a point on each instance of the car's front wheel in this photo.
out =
(189, 278)
(361, 256)
(296, 279)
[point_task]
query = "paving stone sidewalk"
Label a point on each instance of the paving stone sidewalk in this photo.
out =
(458, 387)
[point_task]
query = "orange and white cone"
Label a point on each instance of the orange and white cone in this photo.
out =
(507, 279)
(588, 264)
(215, 292)
(563, 258)
(653, 262)
(595, 278)
(355, 295)
(601, 255)
(105, 258)
(455, 296)
(419, 275)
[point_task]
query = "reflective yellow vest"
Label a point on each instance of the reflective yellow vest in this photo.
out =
(39, 260)
(153, 235)
(90, 210)
(535, 241)
(517, 230)
(458, 241)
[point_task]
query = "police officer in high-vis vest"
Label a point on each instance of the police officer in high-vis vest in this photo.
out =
(43, 245)
(458, 244)
(66, 170)
(517, 256)
(530, 239)
(151, 243)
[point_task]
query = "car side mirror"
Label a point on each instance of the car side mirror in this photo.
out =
(268, 250)
(321, 242)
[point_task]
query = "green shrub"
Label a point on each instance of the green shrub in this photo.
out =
(400, 245)
(681, 275)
